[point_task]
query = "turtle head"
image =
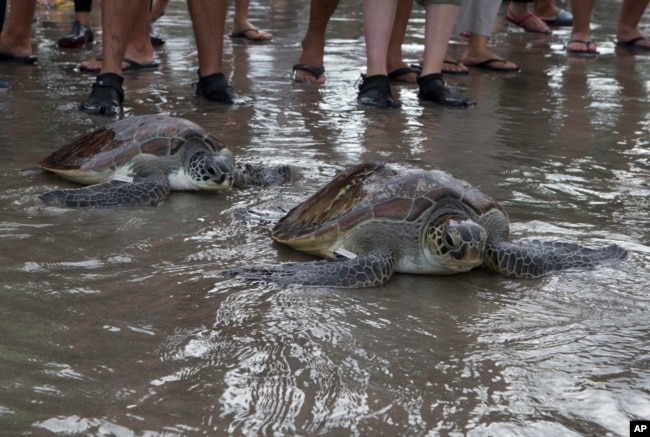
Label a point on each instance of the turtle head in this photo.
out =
(456, 243)
(208, 170)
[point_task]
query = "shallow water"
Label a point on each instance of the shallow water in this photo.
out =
(116, 323)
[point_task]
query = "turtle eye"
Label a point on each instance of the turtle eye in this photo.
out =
(214, 173)
(449, 240)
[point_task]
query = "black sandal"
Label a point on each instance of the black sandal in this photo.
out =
(106, 96)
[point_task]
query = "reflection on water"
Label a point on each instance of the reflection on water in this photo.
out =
(115, 322)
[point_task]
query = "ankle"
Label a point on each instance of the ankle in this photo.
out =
(433, 79)
(376, 81)
(215, 87)
(111, 80)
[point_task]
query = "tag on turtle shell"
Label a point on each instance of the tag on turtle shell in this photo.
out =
(123, 178)
(345, 253)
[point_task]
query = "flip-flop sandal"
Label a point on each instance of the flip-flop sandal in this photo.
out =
(489, 65)
(633, 46)
(315, 71)
(131, 66)
(521, 22)
(396, 74)
(586, 53)
(6, 58)
(244, 35)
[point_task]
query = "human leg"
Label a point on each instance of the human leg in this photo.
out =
(15, 38)
(440, 19)
(242, 27)
(119, 18)
(138, 54)
(519, 15)
(478, 54)
(208, 23)
(157, 9)
(81, 32)
(552, 15)
(477, 17)
(378, 18)
(580, 42)
(398, 69)
(628, 33)
(3, 11)
(313, 44)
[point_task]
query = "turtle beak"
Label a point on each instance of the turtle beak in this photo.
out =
(468, 252)
(472, 247)
(473, 254)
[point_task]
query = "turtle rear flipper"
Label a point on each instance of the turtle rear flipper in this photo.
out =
(261, 176)
(139, 191)
(534, 258)
(363, 271)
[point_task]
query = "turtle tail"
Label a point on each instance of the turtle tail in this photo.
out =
(534, 258)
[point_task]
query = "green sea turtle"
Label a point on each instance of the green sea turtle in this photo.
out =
(139, 160)
(380, 218)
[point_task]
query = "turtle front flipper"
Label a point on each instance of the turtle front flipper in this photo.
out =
(138, 191)
(364, 271)
(534, 258)
(261, 176)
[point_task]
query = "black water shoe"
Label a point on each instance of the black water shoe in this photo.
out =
(375, 91)
(79, 35)
(433, 89)
(216, 88)
(106, 96)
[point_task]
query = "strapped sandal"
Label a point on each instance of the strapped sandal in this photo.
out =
(106, 96)
(528, 18)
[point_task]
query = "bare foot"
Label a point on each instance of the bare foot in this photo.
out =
(452, 66)
(131, 64)
(16, 50)
(545, 11)
(308, 73)
(634, 39)
(581, 43)
(403, 73)
(529, 22)
(488, 60)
